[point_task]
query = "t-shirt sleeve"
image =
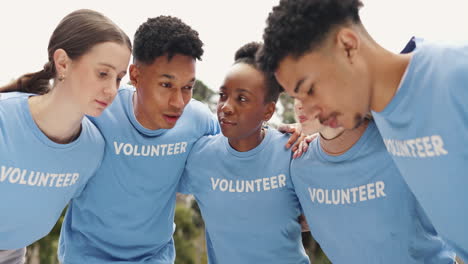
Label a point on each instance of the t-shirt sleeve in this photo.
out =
(98, 153)
(213, 126)
(458, 90)
(291, 174)
(184, 183)
(206, 120)
(85, 183)
(211, 122)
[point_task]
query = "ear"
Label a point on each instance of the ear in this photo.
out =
(348, 42)
(270, 110)
(61, 61)
(134, 74)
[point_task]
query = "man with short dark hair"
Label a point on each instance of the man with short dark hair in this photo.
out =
(126, 212)
(322, 55)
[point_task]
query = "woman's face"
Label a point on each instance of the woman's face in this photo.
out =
(94, 78)
(309, 125)
(241, 107)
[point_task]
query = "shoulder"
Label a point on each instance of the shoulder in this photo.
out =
(12, 98)
(199, 118)
(278, 137)
(92, 143)
(443, 56)
(307, 158)
(208, 144)
(93, 136)
(277, 141)
(275, 149)
(123, 96)
(198, 110)
(126, 88)
(115, 112)
(4, 96)
(445, 65)
(13, 108)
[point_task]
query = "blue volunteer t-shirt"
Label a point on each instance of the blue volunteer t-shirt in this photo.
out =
(38, 177)
(359, 208)
(425, 130)
(126, 212)
(247, 201)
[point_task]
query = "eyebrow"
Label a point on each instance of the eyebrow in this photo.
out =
(172, 77)
(243, 90)
(108, 65)
(168, 76)
(111, 66)
(298, 85)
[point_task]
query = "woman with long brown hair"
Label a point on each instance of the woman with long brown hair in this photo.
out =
(48, 147)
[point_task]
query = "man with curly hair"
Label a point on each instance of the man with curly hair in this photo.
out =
(126, 212)
(322, 55)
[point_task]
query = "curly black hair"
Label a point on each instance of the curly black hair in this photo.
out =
(247, 54)
(295, 27)
(165, 35)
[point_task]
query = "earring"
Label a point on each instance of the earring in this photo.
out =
(61, 77)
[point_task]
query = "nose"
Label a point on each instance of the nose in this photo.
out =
(177, 100)
(111, 90)
(226, 107)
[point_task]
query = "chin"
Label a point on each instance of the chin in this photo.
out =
(226, 132)
(349, 125)
(168, 126)
(94, 113)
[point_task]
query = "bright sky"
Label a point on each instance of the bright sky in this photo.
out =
(224, 26)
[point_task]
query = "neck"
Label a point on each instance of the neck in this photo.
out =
(56, 115)
(141, 116)
(387, 76)
(249, 142)
(342, 142)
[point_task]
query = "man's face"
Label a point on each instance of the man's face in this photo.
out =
(164, 88)
(330, 85)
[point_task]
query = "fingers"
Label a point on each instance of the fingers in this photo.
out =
(286, 128)
(294, 140)
(300, 150)
(311, 138)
